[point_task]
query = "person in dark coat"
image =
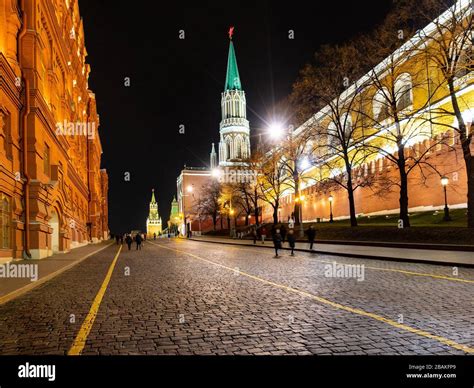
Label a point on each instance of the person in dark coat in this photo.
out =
(283, 233)
(138, 240)
(292, 241)
(254, 236)
(121, 239)
(311, 232)
(117, 239)
(154, 236)
(277, 241)
(129, 241)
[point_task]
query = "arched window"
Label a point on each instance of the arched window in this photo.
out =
(332, 137)
(229, 148)
(238, 146)
(4, 221)
(6, 131)
(403, 91)
(346, 125)
(380, 105)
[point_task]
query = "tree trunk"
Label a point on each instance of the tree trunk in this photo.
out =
(247, 219)
(214, 220)
(275, 213)
(296, 210)
(469, 160)
(403, 188)
(257, 221)
(350, 194)
(466, 150)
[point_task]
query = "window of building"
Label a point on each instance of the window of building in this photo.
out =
(403, 91)
(380, 106)
(5, 221)
(6, 130)
(465, 48)
(47, 160)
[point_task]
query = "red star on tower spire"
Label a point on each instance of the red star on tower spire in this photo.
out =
(231, 32)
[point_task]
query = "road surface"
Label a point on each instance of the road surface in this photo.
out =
(183, 297)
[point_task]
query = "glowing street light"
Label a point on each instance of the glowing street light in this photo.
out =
(444, 183)
(331, 199)
(190, 189)
(276, 130)
(216, 173)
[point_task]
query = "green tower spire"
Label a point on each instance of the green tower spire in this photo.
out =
(153, 200)
(232, 79)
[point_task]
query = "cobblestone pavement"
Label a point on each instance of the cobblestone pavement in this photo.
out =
(186, 297)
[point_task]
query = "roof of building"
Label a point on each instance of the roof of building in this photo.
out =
(232, 79)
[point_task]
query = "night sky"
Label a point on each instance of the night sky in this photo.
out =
(179, 82)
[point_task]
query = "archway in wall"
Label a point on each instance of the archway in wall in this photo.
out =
(54, 224)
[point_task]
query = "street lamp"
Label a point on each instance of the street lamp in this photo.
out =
(331, 199)
(444, 183)
(276, 130)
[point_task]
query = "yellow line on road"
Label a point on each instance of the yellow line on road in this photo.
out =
(81, 338)
(339, 306)
(384, 269)
(414, 273)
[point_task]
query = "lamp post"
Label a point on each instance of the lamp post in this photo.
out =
(444, 183)
(331, 199)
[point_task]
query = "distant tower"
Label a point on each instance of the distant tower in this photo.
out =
(213, 157)
(234, 144)
(174, 214)
(153, 222)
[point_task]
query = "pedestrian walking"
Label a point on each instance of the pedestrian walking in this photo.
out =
(129, 240)
(121, 239)
(154, 236)
(138, 240)
(117, 239)
(292, 241)
(254, 236)
(311, 232)
(263, 233)
(277, 241)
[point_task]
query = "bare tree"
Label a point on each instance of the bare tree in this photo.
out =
(394, 121)
(209, 202)
(272, 181)
(296, 158)
(448, 46)
(338, 126)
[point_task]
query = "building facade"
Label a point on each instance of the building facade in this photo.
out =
(190, 184)
(53, 193)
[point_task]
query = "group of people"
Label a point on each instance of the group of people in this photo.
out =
(129, 239)
(280, 234)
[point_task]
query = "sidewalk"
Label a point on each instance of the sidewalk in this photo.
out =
(47, 269)
(434, 256)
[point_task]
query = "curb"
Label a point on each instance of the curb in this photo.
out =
(351, 255)
(22, 290)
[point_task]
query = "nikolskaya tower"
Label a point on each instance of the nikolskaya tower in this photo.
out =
(234, 130)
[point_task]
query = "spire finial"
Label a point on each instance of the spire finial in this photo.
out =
(231, 32)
